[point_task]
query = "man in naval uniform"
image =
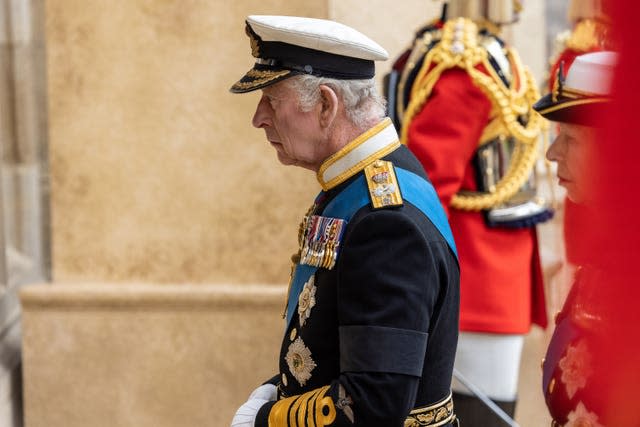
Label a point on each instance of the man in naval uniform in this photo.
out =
(463, 102)
(372, 312)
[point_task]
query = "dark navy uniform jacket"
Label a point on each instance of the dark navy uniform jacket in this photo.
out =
(374, 336)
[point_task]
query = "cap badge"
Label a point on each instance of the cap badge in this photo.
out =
(255, 42)
(558, 85)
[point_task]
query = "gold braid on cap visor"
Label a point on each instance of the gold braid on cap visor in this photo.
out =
(565, 97)
(260, 78)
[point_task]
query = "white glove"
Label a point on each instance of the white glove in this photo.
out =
(246, 414)
(265, 391)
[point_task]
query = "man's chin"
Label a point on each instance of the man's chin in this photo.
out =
(287, 161)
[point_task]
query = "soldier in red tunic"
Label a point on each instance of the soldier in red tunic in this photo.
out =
(462, 100)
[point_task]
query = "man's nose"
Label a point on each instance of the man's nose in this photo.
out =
(261, 117)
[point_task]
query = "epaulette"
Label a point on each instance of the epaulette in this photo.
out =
(384, 190)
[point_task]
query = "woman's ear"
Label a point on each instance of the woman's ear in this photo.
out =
(329, 105)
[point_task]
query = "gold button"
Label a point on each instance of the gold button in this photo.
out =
(284, 380)
(294, 332)
(542, 363)
(552, 385)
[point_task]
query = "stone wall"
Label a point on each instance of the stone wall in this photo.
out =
(146, 355)
(156, 172)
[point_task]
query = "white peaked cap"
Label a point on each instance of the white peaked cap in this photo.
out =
(582, 96)
(592, 73)
(319, 34)
(286, 46)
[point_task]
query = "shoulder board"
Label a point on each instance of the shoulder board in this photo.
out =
(384, 190)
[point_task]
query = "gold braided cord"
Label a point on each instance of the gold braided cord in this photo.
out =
(512, 104)
(526, 150)
(522, 164)
(459, 48)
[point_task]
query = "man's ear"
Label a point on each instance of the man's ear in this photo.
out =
(329, 105)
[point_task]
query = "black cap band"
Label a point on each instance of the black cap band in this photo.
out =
(281, 55)
(293, 52)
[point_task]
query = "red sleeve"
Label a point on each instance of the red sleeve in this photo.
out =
(444, 134)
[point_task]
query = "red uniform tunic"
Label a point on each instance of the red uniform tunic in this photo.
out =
(501, 280)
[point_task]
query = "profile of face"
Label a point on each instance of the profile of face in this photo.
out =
(573, 151)
(296, 135)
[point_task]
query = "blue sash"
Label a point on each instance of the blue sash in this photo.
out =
(415, 189)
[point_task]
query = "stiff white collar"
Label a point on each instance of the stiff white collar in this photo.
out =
(372, 145)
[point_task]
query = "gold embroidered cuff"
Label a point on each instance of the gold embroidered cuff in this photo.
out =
(438, 414)
(312, 409)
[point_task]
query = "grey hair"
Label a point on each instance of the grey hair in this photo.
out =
(363, 104)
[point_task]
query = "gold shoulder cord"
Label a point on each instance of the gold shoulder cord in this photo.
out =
(312, 409)
(460, 48)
